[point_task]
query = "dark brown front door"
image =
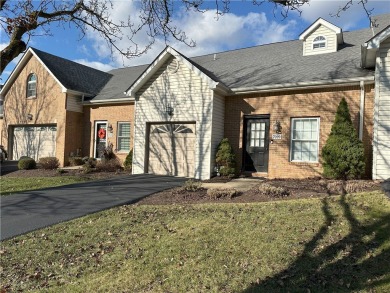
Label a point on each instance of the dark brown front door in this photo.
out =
(256, 144)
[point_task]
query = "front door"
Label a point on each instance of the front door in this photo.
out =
(256, 144)
(100, 138)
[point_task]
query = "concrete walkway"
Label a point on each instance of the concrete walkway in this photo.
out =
(239, 184)
(28, 211)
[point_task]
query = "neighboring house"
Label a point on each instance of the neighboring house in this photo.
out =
(276, 104)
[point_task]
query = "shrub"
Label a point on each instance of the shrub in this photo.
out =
(76, 161)
(273, 191)
(61, 171)
(343, 153)
(215, 193)
(91, 162)
(87, 169)
(111, 165)
(128, 163)
(108, 152)
(192, 185)
(26, 163)
(49, 163)
(225, 158)
(353, 186)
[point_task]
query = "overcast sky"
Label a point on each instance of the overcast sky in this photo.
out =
(246, 25)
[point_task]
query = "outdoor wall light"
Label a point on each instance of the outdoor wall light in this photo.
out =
(29, 117)
(277, 127)
(169, 110)
(109, 128)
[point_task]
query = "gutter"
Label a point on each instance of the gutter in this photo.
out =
(303, 85)
(361, 112)
(110, 101)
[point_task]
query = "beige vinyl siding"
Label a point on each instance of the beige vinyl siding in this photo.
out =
(74, 104)
(217, 126)
(191, 98)
(381, 163)
(331, 41)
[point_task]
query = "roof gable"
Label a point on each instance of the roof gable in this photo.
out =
(71, 76)
(320, 21)
(160, 61)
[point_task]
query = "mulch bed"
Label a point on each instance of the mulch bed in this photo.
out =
(54, 173)
(297, 188)
(305, 188)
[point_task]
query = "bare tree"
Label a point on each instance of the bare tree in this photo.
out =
(22, 19)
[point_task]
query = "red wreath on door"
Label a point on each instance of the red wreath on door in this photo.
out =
(101, 133)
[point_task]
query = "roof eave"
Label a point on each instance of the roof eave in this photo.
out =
(318, 22)
(109, 101)
(302, 85)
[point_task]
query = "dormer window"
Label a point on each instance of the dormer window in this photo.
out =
(31, 86)
(319, 42)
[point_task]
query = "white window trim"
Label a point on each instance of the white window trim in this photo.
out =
(318, 140)
(31, 82)
(117, 137)
(319, 42)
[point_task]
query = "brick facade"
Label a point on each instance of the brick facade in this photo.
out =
(283, 106)
(113, 114)
(47, 108)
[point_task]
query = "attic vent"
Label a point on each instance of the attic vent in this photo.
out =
(173, 67)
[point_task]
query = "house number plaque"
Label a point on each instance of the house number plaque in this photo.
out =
(277, 136)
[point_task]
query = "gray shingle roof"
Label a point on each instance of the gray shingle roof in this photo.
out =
(120, 81)
(271, 64)
(74, 76)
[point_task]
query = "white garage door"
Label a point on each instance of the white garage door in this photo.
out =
(172, 149)
(34, 141)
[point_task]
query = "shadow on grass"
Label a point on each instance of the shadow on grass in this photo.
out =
(349, 264)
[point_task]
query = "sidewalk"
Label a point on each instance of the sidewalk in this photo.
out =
(239, 184)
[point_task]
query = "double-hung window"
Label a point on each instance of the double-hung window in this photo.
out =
(304, 139)
(123, 137)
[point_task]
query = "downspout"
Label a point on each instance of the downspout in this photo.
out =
(361, 112)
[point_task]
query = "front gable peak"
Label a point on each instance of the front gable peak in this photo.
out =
(178, 60)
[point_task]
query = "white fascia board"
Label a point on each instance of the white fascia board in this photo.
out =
(303, 85)
(376, 41)
(22, 62)
(164, 56)
(316, 24)
(110, 101)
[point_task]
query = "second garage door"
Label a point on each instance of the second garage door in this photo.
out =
(172, 149)
(34, 141)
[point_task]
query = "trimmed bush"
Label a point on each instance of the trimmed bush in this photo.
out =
(273, 191)
(49, 163)
(191, 185)
(111, 165)
(76, 161)
(225, 158)
(343, 153)
(216, 193)
(26, 163)
(128, 163)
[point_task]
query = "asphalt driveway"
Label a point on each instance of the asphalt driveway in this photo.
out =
(28, 211)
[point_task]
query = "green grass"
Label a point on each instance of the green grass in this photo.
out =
(10, 185)
(336, 244)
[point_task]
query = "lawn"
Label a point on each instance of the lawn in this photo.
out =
(331, 244)
(10, 185)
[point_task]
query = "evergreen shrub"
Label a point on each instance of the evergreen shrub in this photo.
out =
(343, 153)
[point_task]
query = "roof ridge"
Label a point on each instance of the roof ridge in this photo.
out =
(67, 60)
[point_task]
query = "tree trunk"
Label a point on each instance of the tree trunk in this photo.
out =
(10, 52)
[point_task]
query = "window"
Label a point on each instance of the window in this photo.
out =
(123, 136)
(304, 139)
(31, 85)
(319, 42)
